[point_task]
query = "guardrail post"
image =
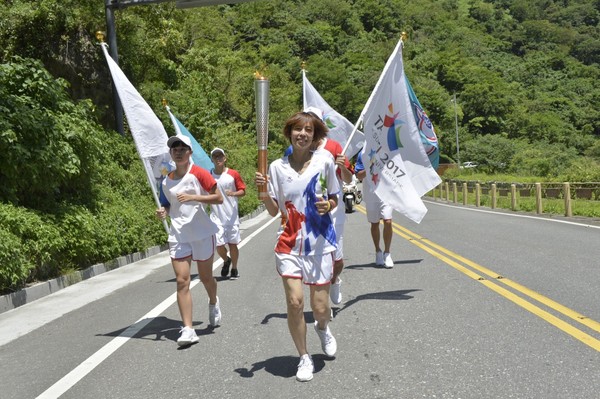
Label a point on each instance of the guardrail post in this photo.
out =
(477, 194)
(538, 199)
(494, 198)
(447, 191)
(567, 194)
(513, 197)
(454, 193)
(465, 194)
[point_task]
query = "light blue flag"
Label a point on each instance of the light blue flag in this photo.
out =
(428, 137)
(199, 156)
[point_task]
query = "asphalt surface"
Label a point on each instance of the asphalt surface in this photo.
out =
(479, 304)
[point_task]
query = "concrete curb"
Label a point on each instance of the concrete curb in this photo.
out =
(40, 290)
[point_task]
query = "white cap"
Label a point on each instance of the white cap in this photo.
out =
(316, 111)
(217, 149)
(180, 137)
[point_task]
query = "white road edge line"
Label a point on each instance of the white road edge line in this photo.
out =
(65, 383)
(513, 215)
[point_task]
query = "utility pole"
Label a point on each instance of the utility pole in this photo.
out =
(111, 33)
(456, 128)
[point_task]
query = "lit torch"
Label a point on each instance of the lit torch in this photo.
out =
(261, 88)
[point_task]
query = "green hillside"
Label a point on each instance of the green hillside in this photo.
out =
(525, 74)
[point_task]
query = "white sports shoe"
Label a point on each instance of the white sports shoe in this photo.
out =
(214, 314)
(188, 336)
(335, 292)
(387, 258)
(328, 342)
(305, 369)
(379, 258)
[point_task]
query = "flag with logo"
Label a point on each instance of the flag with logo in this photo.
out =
(148, 132)
(199, 156)
(394, 157)
(340, 128)
(428, 136)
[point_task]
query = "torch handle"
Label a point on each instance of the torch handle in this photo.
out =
(262, 168)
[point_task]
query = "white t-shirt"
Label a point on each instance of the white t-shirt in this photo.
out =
(189, 220)
(227, 214)
(368, 189)
(305, 231)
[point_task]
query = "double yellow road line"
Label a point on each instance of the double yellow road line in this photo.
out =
(495, 282)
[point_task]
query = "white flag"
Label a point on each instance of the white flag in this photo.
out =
(394, 157)
(339, 127)
(147, 130)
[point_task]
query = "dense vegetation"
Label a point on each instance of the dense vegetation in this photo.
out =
(525, 74)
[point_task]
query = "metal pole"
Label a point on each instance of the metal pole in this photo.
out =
(111, 33)
(456, 127)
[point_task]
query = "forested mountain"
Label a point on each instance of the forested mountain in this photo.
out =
(525, 74)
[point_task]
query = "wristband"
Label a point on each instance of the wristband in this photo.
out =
(328, 206)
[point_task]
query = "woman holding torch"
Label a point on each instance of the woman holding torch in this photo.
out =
(304, 188)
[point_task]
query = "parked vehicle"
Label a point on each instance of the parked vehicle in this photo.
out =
(468, 165)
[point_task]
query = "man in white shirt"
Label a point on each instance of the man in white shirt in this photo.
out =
(377, 210)
(226, 215)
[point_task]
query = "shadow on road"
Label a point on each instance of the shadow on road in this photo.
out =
(308, 317)
(374, 266)
(159, 329)
(398, 295)
(281, 366)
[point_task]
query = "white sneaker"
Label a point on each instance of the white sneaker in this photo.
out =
(387, 259)
(305, 369)
(188, 336)
(335, 292)
(214, 314)
(379, 258)
(328, 342)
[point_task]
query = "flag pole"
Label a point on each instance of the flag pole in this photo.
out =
(303, 68)
(375, 89)
(171, 116)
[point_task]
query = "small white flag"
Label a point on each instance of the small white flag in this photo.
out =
(339, 127)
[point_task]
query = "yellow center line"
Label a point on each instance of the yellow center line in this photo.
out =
(438, 252)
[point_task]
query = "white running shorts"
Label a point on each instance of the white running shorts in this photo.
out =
(377, 210)
(228, 234)
(198, 250)
(313, 270)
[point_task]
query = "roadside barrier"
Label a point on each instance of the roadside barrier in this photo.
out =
(554, 197)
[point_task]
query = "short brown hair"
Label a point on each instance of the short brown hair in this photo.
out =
(320, 129)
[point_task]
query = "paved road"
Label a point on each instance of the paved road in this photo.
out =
(479, 304)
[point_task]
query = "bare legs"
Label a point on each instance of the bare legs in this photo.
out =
(234, 254)
(338, 266)
(182, 268)
(387, 235)
(319, 302)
